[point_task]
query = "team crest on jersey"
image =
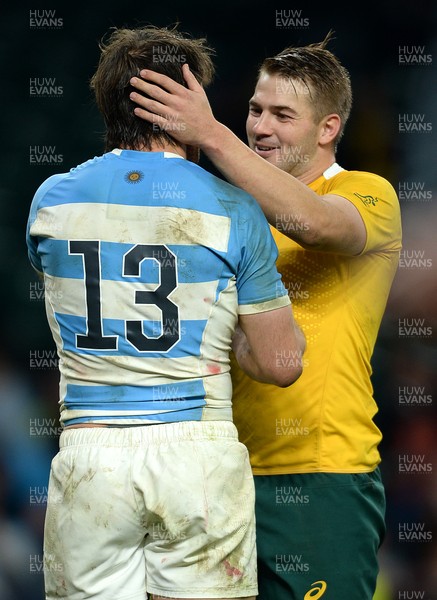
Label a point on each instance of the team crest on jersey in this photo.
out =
(134, 176)
(367, 200)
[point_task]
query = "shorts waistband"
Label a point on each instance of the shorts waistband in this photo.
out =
(148, 434)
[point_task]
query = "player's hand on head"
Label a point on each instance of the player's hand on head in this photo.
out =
(184, 112)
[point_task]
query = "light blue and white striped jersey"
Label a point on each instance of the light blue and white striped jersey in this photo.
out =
(147, 260)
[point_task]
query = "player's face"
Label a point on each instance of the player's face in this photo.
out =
(280, 125)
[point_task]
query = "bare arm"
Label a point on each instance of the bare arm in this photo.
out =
(328, 223)
(269, 346)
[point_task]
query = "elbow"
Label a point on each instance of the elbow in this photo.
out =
(288, 377)
(288, 366)
(286, 374)
(313, 240)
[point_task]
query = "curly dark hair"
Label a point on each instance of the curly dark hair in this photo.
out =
(123, 55)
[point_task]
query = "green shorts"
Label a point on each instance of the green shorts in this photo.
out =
(318, 535)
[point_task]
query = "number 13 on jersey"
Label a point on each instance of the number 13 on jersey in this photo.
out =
(94, 339)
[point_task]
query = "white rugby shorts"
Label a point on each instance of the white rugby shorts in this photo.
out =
(167, 509)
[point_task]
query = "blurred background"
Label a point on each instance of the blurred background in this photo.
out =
(49, 124)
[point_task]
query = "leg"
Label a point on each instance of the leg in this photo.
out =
(318, 535)
(201, 524)
(93, 543)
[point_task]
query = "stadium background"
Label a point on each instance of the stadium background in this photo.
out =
(48, 53)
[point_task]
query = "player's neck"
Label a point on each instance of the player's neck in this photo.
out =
(316, 167)
(155, 147)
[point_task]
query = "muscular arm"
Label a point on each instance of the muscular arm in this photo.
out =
(260, 341)
(329, 223)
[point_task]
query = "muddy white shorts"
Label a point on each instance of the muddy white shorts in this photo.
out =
(167, 509)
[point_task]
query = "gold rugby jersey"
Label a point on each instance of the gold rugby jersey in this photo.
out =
(324, 421)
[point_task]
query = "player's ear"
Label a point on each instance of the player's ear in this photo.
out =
(329, 128)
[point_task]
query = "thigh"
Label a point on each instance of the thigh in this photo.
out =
(318, 535)
(202, 537)
(93, 539)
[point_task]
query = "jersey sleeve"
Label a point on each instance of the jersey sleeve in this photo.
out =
(32, 240)
(259, 284)
(378, 204)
